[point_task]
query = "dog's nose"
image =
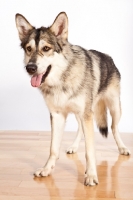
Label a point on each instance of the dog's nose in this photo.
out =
(31, 68)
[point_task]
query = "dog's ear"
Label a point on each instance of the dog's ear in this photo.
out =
(23, 26)
(60, 26)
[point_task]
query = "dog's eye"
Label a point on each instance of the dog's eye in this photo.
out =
(28, 48)
(46, 48)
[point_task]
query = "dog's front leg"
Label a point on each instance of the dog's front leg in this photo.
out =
(91, 172)
(57, 127)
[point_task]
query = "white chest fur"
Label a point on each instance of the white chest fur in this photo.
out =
(62, 102)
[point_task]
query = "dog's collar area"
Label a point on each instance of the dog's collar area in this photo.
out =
(46, 74)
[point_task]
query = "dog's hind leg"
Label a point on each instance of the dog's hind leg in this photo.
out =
(74, 147)
(114, 106)
(57, 126)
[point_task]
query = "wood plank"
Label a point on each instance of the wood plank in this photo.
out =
(21, 152)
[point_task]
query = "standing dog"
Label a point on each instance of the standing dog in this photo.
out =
(72, 79)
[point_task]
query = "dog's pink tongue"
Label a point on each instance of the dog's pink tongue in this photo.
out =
(36, 80)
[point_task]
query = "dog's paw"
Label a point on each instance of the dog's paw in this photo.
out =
(91, 180)
(124, 151)
(71, 149)
(44, 171)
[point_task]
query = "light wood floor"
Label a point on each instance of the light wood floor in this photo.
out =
(21, 153)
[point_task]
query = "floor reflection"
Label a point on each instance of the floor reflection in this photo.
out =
(108, 173)
(49, 183)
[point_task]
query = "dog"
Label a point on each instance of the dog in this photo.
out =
(72, 80)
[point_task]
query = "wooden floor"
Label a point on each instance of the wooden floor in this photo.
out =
(21, 153)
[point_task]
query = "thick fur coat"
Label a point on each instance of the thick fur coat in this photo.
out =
(72, 80)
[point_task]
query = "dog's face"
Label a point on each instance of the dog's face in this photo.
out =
(43, 48)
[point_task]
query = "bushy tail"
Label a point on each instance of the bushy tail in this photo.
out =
(101, 117)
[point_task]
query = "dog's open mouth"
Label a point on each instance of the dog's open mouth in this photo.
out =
(38, 79)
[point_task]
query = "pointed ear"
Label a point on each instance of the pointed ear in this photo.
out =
(60, 26)
(23, 26)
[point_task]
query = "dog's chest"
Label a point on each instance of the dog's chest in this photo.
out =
(63, 102)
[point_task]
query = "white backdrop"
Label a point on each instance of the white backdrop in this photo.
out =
(104, 25)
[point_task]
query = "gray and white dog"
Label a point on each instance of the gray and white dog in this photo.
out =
(72, 80)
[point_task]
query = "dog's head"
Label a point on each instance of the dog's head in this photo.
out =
(43, 47)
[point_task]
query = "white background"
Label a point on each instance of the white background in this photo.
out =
(104, 25)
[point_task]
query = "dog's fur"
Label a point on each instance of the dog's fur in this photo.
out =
(72, 79)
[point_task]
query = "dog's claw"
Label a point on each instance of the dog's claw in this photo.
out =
(91, 181)
(124, 151)
(71, 149)
(42, 172)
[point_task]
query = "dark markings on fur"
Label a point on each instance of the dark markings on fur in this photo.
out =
(104, 131)
(108, 70)
(65, 77)
(33, 58)
(51, 119)
(51, 39)
(59, 46)
(77, 54)
(38, 32)
(37, 36)
(48, 90)
(65, 89)
(48, 35)
(89, 63)
(46, 73)
(66, 74)
(26, 39)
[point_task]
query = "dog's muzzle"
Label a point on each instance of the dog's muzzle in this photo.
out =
(37, 78)
(31, 68)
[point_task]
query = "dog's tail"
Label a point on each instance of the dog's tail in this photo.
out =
(101, 117)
